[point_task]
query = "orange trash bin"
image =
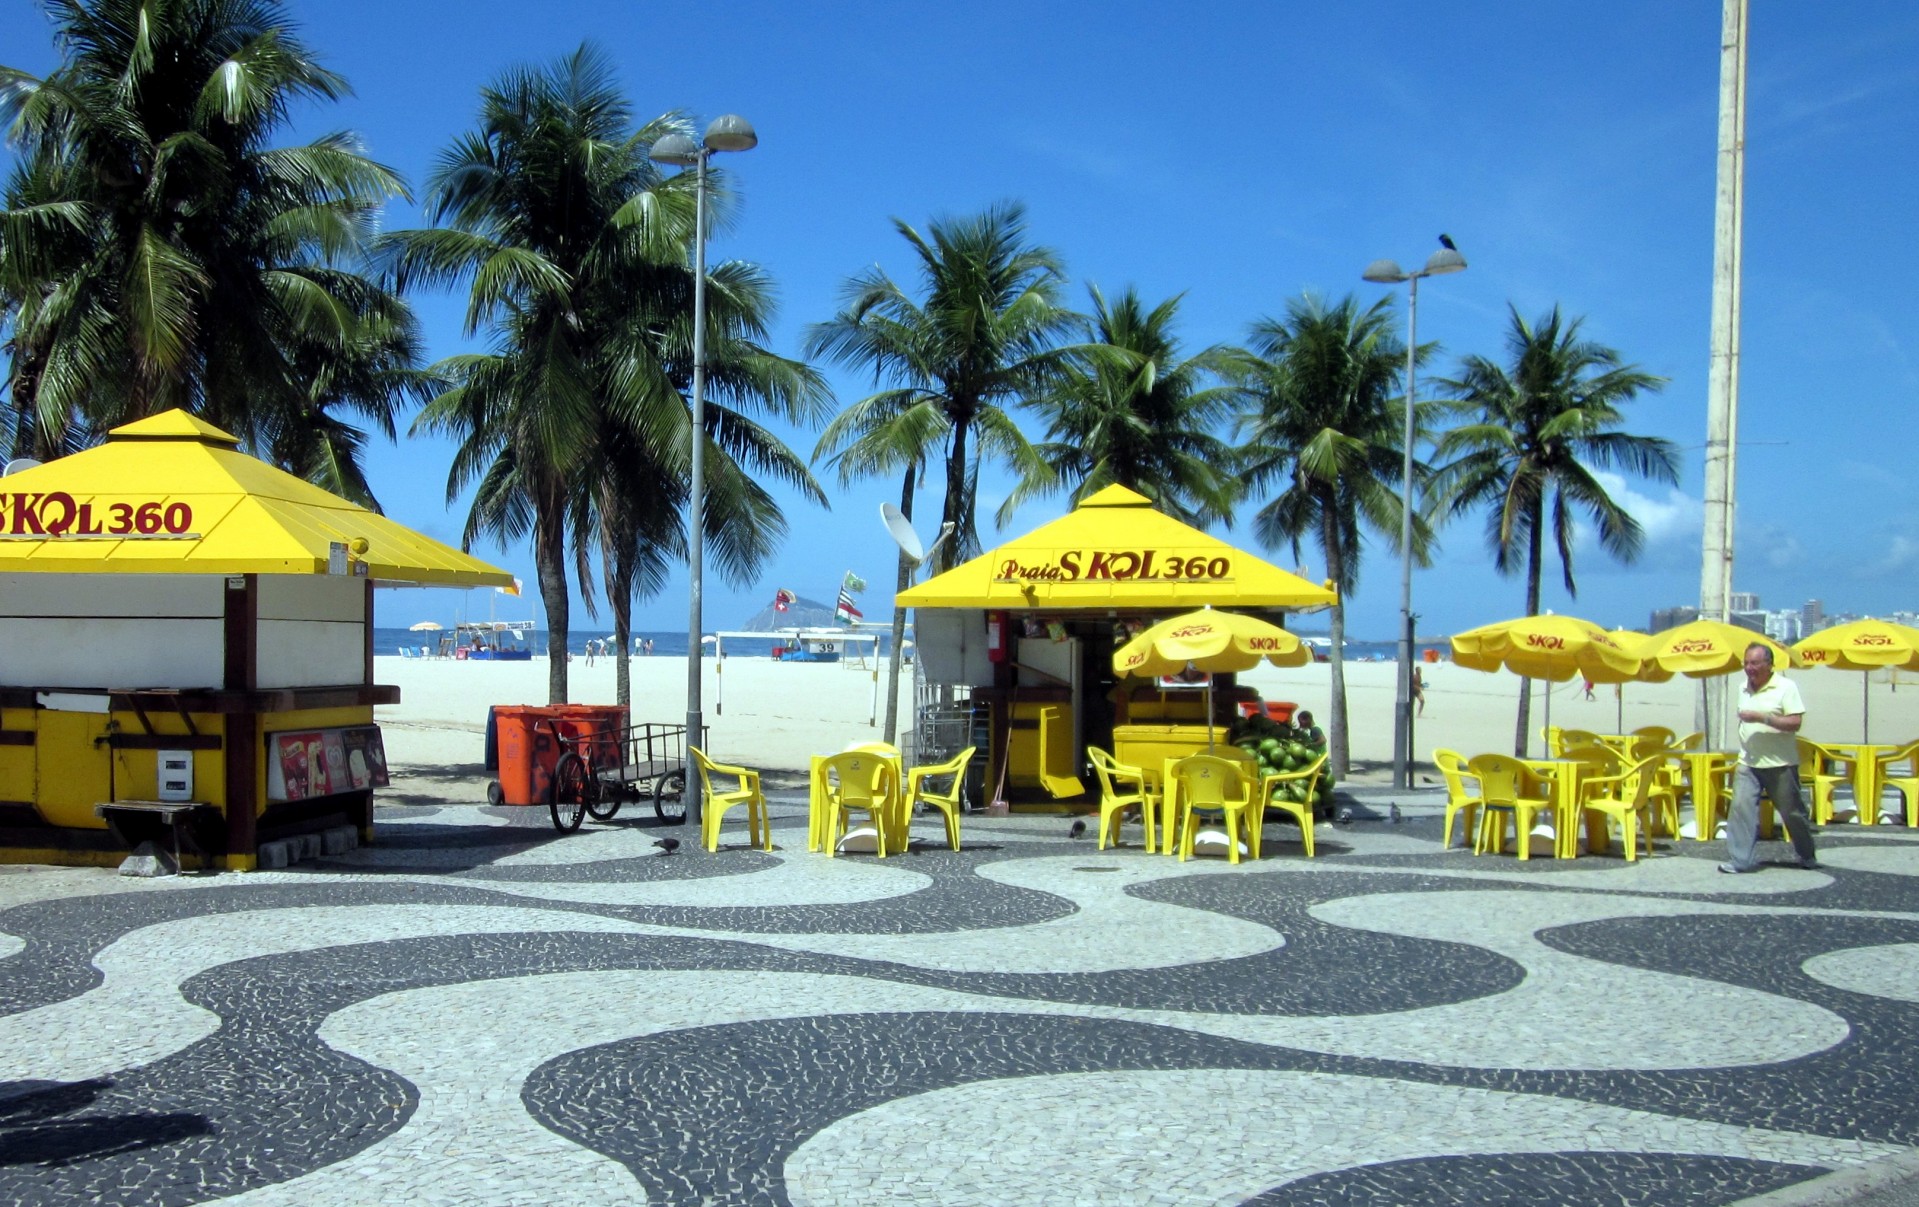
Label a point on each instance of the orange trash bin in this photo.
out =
(527, 752)
(1281, 710)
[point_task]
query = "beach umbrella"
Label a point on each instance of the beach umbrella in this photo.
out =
(1705, 649)
(1550, 647)
(426, 626)
(1863, 645)
(1208, 641)
(1649, 672)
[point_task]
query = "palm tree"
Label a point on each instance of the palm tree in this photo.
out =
(1537, 423)
(631, 512)
(1322, 422)
(576, 256)
(1124, 408)
(980, 340)
(158, 251)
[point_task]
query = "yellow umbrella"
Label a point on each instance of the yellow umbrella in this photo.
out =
(1703, 648)
(1209, 641)
(172, 494)
(1550, 647)
(1863, 645)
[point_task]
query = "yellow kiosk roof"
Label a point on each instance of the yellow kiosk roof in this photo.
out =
(1115, 550)
(172, 494)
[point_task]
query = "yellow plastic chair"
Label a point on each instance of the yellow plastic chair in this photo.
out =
(1505, 790)
(947, 802)
(1121, 787)
(1818, 778)
(1570, 738)
(717, 801)
(1460, 798)
(1906, 782)
(1554, 743)
(1211, 784)
(862, 780)
(1270, 797)
(1622, 798)
(1664, 736)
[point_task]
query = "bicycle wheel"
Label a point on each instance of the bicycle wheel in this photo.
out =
(567, 796)
(602, 798)
(669, 797)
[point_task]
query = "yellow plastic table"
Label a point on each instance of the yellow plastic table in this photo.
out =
(1864, 757)
(1703, 785)
(897, 823)
(1564, 774)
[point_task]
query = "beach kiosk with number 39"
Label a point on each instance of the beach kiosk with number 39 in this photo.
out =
(186, 645)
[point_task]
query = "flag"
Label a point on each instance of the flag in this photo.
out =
(512, 590)
(783, 599)
(844, 612)
(854, 583)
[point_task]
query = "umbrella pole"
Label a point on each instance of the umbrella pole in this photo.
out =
(1619, 709)
(1865, 705)
(1549, 714)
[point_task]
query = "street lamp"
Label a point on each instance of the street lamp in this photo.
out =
(729, 132)
(1386, 272)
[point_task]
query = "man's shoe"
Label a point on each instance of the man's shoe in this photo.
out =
(1734, 869)
(1811, 865)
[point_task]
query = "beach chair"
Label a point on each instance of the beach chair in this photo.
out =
(759, 829)
(1506, 789)
(1460, 796)
(1622, 798)
(1121, 787)
(947, 802)
(859, 780)
(1212, 784)
(1906, 782)
(1274, 794)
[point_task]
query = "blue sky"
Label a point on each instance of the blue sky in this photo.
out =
(1245, 153)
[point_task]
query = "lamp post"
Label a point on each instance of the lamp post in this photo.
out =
(729, 132)
(1386, 272)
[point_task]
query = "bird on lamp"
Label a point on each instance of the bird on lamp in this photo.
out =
(1446, 241)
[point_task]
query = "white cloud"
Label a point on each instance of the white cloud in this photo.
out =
(1673, 517)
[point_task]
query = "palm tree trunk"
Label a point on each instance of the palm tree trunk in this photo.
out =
(549, 560)
(955, 509)
(903, 580)
(1532, 609)
(1337, 745)
(623, 633)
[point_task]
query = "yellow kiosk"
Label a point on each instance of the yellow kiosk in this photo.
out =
(186, 649)
(1030, 627)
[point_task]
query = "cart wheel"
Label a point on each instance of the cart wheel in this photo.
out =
(602, 799)
(669, 797)
(567, 797)
(495, 794)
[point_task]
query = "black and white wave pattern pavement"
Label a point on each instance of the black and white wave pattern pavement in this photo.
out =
(479, 1011)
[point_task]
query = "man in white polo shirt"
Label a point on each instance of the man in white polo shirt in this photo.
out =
(1770, 713)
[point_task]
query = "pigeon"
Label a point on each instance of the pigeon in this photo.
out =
(667, 845)
(1078, 829)
(1446, 241)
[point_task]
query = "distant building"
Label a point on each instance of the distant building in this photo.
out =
(1744, 601)
(1756, 621)
(1812, 617)
(1785, 626)
(1672, 618)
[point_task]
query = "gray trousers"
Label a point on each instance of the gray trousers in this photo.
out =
(1781, 786)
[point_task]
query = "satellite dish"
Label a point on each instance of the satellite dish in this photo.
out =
(903, 534)
(17, 464)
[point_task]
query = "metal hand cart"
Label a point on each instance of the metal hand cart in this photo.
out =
(597, 772)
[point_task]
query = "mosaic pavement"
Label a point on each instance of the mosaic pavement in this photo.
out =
(479, 1011)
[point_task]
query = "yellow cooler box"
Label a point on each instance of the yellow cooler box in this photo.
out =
(1149, 746)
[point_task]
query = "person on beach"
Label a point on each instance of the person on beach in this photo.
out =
(1587, 687)
(1419, 691)
(1770, 714)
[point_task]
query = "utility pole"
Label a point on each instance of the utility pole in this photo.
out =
(1722, 401)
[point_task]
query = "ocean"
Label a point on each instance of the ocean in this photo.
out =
(665, 644)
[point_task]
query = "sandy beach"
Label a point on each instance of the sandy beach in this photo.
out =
(774, 715)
